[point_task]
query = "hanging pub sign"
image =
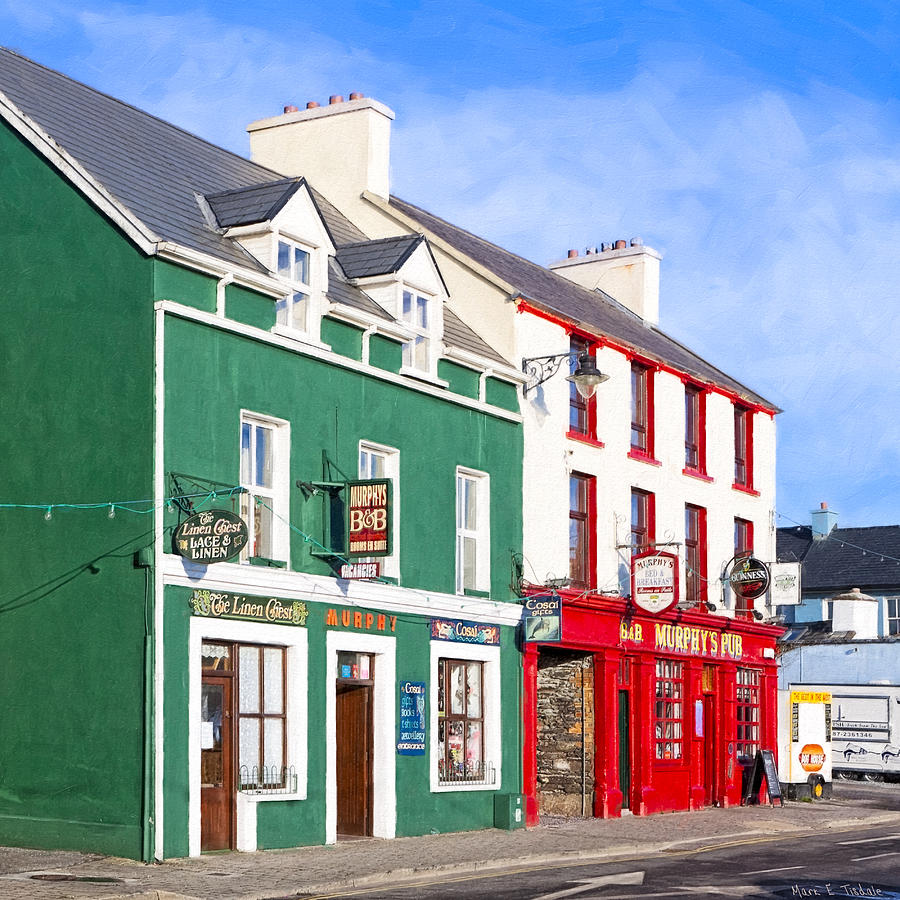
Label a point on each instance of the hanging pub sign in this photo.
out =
(368, 517)
(654, 581)
(749, 577)
(213, 535)
(543, 618)
(785, 586)
(411, 740)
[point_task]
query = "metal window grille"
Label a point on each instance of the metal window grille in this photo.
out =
(467, 773)
(267, 780)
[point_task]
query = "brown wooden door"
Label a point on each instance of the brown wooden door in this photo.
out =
(216, 765)
(353, 716)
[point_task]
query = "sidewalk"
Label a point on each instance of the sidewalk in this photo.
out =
(317, 870)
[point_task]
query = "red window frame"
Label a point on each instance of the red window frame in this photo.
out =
(668, 711)
(747, 711)
(743, 546)
(642, 412)
(582, 529)
(695, 553)
(643, 520)
(743, 447)
(582, 412)
(694, 429)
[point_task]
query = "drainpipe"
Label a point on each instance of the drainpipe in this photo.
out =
(365, 343)
(221, 284)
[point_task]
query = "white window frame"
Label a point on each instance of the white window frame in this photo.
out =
(481, 533)
(390, 565)
(295, 640)
(277, 495)
(314, 288)
(490, 659)
(428, 332)
(892, 603)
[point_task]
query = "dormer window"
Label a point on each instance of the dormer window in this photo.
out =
(294, 267)
(416, 313)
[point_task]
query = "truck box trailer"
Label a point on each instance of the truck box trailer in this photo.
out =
(804, 742)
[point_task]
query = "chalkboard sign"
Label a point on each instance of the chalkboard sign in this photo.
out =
(763, 767)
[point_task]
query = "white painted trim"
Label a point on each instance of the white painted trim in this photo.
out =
(72, 170)
(211, 265)
(221, 286)
(493, 743)
(159, 478)
(483, 364)
(296, 640)
(353, 316)
(268, 337)
(482, 530)
(384, 767)
(269, 582)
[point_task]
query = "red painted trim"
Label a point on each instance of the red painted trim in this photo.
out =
(642, 457)
(529, 748)
(584, 439)
(694, 473)
(523, 306)
(745, 490)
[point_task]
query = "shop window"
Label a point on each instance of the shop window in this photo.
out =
(694, 554)
(893, 615)
(669, 710)
(642, 520)
(460, 710)
(642, 437)
(582, 412)
(472, 532)
(264, 477)
(376, 461)
(258, 674)
(582, 529)
(694, 429)
(747, 711)
(743, 447)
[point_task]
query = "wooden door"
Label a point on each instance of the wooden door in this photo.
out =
(710, 744)
(353, 717)
(216, 765)
(625, 748)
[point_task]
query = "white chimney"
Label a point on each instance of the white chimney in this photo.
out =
(628, 273)
(856, 612)
(343, 148)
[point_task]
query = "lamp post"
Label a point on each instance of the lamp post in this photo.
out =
(586, 376)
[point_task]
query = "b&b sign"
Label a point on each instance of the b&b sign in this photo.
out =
(368, 515)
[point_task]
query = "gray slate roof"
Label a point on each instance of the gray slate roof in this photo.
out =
(384, 256)
(458, 334)
(849, 557)
(250, 205)
(591, 309)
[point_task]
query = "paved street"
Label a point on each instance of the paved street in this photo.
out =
(691, 841)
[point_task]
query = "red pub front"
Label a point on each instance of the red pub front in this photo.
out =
(645, 712)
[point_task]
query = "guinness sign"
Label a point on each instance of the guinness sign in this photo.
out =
(749, 577)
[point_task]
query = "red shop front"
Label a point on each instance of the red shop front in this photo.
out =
(651, 713)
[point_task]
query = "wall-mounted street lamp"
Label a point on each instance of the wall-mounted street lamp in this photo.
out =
(586, 376)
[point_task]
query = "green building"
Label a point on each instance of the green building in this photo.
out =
(193, 343)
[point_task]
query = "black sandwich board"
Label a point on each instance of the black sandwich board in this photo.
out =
(763, 766)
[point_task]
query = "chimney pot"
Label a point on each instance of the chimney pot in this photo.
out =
(291, 108)
(606, 245)
(823, 505)
(621, 244)
(312, 105)
(336, 98)
(356, 95)
(637, 242)
(573, 254)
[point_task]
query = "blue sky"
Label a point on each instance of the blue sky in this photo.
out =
(753, 144)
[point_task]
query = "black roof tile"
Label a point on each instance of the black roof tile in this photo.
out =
(384, 256)
(250, 205)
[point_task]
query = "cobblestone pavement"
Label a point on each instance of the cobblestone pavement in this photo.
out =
(39, 875)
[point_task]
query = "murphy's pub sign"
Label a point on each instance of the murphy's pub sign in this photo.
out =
(213, 535)
(368, 517)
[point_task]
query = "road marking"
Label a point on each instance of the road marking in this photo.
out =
(876, 856)
(766, 871)
(591, 883)
(884, 837)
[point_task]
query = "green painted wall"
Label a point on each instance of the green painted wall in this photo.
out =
(212, 375)
(502, 394)
(385, 353)
(249, 307)
(171, 282)
(342, 338)
(462, 380)
(76, 356)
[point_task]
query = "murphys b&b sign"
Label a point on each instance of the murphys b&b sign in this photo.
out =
(654, 581)
(368, 514)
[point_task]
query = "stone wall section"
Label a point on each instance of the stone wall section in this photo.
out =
(565, 740)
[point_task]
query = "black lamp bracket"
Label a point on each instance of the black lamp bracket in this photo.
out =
(540, 368)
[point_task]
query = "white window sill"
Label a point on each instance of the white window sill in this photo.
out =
(299, 336)
(269, 796)
(421, 375)
(462, 786)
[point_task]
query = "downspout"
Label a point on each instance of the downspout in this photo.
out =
(148, 849)
(364, 352)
